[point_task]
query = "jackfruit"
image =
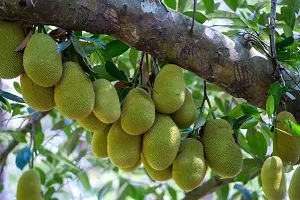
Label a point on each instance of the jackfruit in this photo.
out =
(41, 61)
(132, 168)
(186, 115)
(35, 96)
(294, 188)
(169, 89)
(11, 63)
(138, 112)
(273, 178)
(91, 123)
(99, 141)
(29, 186)
(74, 94)
(124, 150)
(189, 167)
(107, 105)
(161, 142)
(291, 154)
(157, 175)
(222, 154)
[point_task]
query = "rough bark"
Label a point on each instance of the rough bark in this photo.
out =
(147, 26)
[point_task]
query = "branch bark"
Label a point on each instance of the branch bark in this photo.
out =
(146, 25)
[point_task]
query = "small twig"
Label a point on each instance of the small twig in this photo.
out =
(194, 15)
(206, 99)
(165, 7)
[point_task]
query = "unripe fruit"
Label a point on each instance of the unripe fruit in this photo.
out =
(138, 112)
(189, 167)
(186, 115)
(222, 154)
(169, 89)
(287, 147)
(273, 178)
(107, 105)
(294, 188)
(91, 123)
(124, 150)
(132, 168)
(11, 63)
(29, 186)
(99, 141)
(42, 63)
(157, 175)
(74, 94)
(35, 96)
(161, 142)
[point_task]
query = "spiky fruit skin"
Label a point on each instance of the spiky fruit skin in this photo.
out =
(186, 115)
(294, 188)
(124, 150)
(11, 65)
(189, 167)
(74, 94)
(138, 112)
(35, 96)
(169, 89)
(41, 61)
(107, 105)
(161, 142)
(273, 178)
(157, 175)
(91, 123)
(132, 168)
(29, 186)
(99, 141)
(287, 147)
(222, 154)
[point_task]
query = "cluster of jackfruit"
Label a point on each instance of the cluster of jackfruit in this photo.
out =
(274, 181)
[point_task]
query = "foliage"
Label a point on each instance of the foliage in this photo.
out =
(62, 153)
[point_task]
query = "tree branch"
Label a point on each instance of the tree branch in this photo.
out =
(146, 25)
(25, 129)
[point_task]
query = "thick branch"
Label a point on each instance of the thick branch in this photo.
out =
(37, 117)
(147, 26)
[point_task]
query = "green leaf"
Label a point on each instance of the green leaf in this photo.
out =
(1, 188)
(236, 112)
(260, 5)
(123, 66)
(17, 87)
(237, 123)
(113, 71)
(49, 192)
(233, 4)
(59, 125)
(133, 57)
(223, 193)
(102, 73)
(104, 190)
(275, 91)
(209, 5)
(250, 123)
(42, 175)
(250, 111)
(257, 142)
(10, 96)
(285, 43)
(73, 141)
(251, 167)
(77, 46)
(270, 105)
(23, 157)
(223, 14)
(288, 15)
(171, 4)
(181, 5)
(39, 138)
(116, 48)
(199, 17)
(293, 126)
(19, 136)
(172, 192)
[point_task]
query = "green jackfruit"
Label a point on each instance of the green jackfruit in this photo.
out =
(189, 167)
(273, 179)
(124, 150)
(169, 89)
(222, 154)
(29, 186)
(138, 112)
(157, 175)
(91, 123)
(186, 115)
(11, 63)
(132, 168)
(99, 141)
(74, 94)
(41, 61)
(291, 154)
(294, 188)
(161, 142)
(107, 105)
(35, 96)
